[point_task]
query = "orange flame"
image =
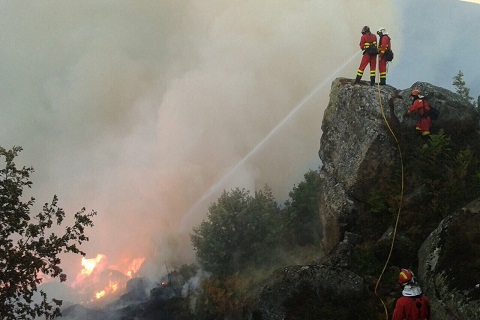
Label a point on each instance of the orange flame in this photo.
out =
(90, 264)
(111, 288)
(91, 279)
(134, 266)
(100, 294)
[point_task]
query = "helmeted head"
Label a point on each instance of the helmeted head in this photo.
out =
(416, 94)
(382, 32)
(365, 29)
(405, 277)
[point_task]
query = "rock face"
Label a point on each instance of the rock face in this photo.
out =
(448, 261)
(310, 292)
(354, 133)
(364, 130)
(78, 312)
(357, 148)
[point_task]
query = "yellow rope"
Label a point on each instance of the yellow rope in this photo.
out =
(399, 205)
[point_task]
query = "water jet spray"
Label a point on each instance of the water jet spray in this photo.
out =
(216, 187)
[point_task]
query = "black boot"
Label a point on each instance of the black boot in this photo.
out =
(372, 81)
(357, 79)
(383, 81)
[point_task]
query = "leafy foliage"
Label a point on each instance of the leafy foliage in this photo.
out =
(241, 231)
(244, 236)
(365, 262)
(444, 175)
(28, 247)
(440, 176)
(224, 297)
(186, 271)
(461, 87)
(302, 217)
(447, 172)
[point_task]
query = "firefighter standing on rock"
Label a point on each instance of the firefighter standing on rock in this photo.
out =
(368, 43)
(384, 46)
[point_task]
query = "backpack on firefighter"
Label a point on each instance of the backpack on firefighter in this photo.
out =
(389, 53)
(371, 50)
(432, 112)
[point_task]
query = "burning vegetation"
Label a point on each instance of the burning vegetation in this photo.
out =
(98, 280)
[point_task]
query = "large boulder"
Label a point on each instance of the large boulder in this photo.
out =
(363, 128)
(355, 148)
(311, 292)
(79, 312)
(449, 265)
(458, 118)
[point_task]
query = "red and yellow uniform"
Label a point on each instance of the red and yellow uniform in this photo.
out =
(412, 308)
(423, 124)
(384, 45)
(368, 39)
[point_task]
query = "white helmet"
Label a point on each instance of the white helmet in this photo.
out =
(382, 31)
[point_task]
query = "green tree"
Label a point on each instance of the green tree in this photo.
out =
(449, 171)
(224, 297)
(461, 87)
(303, 219)
(240, 231)
(29, 249)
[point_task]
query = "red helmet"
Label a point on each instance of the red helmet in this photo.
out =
(406, 276)
(415, 92)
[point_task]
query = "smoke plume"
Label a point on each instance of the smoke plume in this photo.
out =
(137, 108)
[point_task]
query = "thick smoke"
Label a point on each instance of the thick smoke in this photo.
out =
(137, 108)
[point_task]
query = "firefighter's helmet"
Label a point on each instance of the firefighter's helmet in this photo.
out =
(415, 92)
(365, 29)
(381, 31)
(405, 277)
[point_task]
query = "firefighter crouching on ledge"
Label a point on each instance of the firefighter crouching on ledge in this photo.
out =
(421, 105)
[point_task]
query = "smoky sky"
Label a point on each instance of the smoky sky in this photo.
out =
(440, 38)
(137, 108)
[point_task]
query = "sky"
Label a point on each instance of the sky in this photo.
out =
(145, 111)
(440, 38)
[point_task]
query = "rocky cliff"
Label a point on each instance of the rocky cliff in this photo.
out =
(376, 167)
(358, 149)
(449, 265)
